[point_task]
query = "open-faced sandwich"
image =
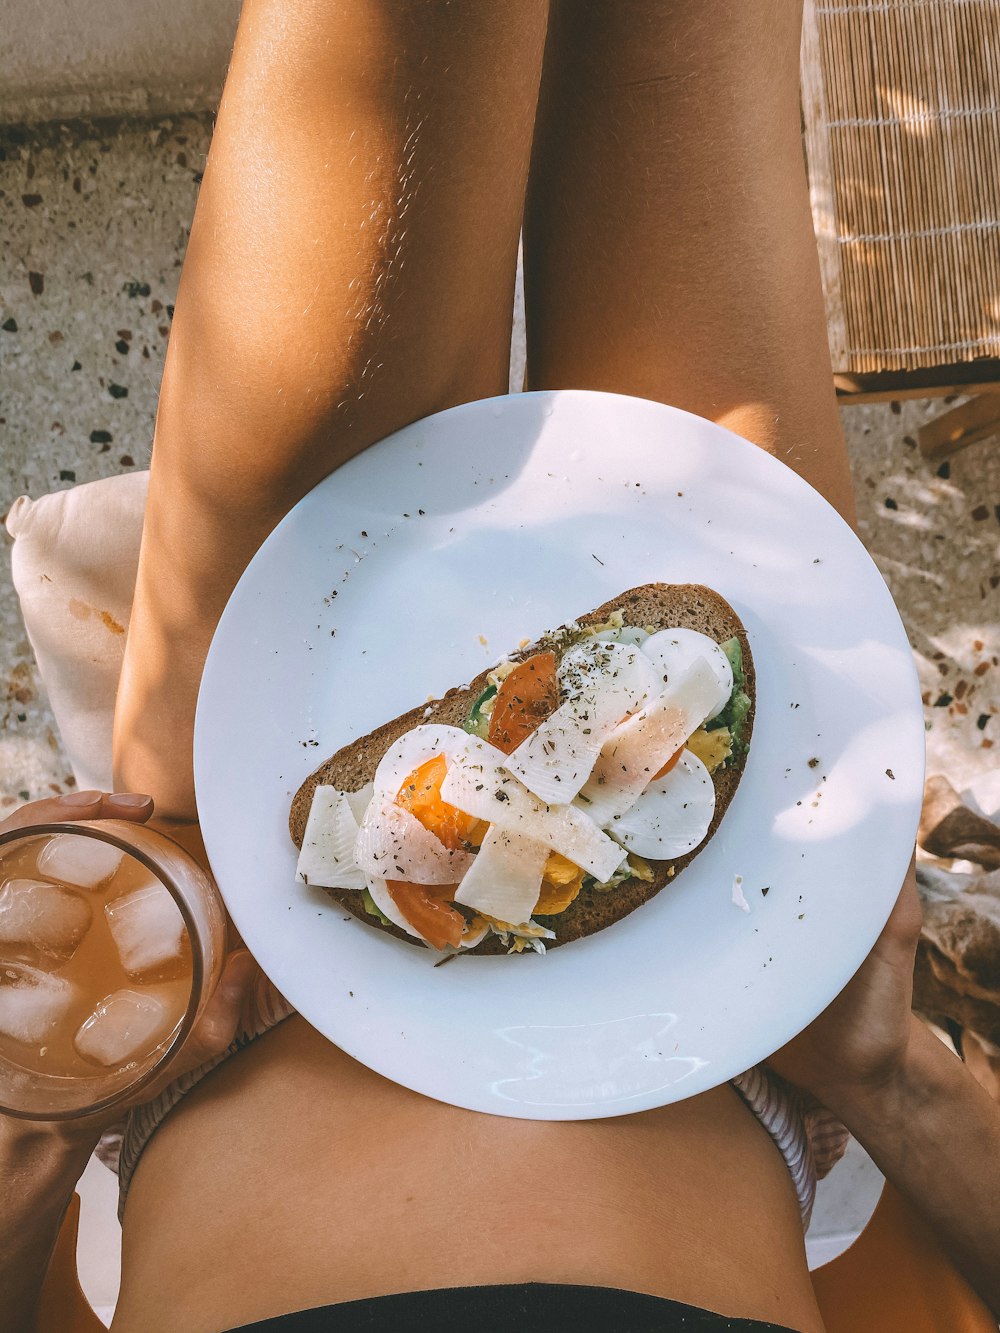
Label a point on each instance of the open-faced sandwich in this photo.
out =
(553, 795)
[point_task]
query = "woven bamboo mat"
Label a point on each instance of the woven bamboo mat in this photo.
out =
(901, 108)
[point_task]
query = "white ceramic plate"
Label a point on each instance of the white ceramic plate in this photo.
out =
(423, 560)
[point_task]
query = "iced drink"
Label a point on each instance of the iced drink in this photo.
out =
(97, 965)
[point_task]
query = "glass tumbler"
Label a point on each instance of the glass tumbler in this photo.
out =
(112, 940)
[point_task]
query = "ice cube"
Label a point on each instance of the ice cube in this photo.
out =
(125, 1024)
(73, 858)
(46, 916)
(148, 929)
(32, 1003)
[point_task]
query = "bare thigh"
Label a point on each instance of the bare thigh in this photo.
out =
(669, 249)
(294, 1177)
(350, 269)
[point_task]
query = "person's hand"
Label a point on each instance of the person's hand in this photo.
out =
(216, 1027)
(858, 1045)
(80, 805)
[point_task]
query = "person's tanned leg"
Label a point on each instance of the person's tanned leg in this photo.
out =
(350, 269)
(669, 250)
(669, 254)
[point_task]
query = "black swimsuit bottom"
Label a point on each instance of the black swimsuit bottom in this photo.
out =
(533, 1307)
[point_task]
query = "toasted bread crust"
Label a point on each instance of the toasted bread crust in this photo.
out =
(666, 606)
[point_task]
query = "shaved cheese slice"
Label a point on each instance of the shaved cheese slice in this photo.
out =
(505, 878)
(601, 683)
(638, 749)
(327, 855)
(673, 651)
(626, 634)
(482, 788)
(359, 800)
(393, 844)
(414, 748)
(383, 900)
(673, 814)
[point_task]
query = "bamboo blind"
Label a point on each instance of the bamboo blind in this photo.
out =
(901, 110)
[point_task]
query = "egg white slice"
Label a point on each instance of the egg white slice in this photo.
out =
(383, 900)
(600, 683)
(393, 844)
(482, 788)
(640, 746)
(505, 878)
(672, 651)
(327, 855)
(673, 814)
(414, 748)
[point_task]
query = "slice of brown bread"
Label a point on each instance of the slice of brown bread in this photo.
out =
(656, 605)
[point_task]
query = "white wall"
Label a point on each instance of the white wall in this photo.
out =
(61, 59)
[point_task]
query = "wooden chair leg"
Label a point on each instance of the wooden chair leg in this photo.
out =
(947, 434)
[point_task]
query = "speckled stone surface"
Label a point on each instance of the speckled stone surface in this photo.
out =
(934, 531)
(94, 226)
(95, 222)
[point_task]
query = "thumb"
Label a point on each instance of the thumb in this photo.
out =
(217, 1025)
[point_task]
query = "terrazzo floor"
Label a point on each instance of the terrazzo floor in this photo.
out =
(94, 226)
(95, 223)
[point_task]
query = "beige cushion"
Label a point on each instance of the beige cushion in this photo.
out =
(74, 564)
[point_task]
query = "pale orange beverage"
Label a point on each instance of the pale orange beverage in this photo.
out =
(111, 940)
